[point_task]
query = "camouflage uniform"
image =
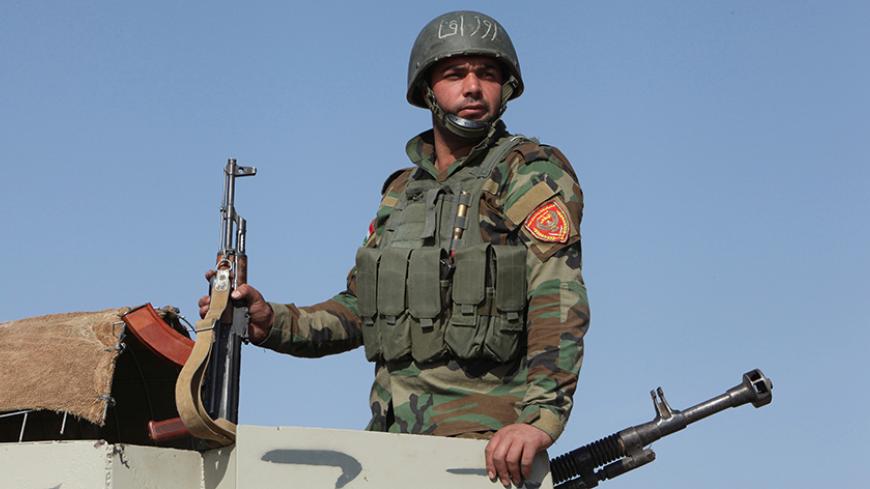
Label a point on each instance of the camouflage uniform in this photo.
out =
(474, 397)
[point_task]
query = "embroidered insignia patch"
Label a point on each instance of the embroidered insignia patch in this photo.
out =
(371, 232)
(549, 223)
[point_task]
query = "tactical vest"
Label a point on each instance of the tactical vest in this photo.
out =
(416, 301)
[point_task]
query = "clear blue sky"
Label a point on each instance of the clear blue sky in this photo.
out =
(722, 148)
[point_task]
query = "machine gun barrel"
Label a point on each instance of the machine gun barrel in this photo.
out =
(626, 449)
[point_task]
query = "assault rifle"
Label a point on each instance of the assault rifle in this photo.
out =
(207, 389)
(625, 450)
(222, 378)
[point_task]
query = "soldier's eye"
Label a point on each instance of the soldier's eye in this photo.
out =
(491, 74)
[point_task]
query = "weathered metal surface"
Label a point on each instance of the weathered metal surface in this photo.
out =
(61, 464)
(138, 467)
(219, 468)
(313, 458)
(89, 464)
(263, 458)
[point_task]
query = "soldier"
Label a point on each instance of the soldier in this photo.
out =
(475, 325)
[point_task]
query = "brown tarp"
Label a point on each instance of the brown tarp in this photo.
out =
(60, 362)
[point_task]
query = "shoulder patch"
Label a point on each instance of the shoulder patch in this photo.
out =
(370, 237)
(549, 222)
(393, 176)
(540, 192)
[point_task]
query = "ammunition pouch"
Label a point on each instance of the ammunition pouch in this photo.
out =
(411, 308)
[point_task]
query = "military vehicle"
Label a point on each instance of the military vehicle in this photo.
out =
(98, 411)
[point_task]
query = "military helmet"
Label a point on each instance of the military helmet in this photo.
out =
(461, 33)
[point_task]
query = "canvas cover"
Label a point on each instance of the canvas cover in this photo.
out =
(60, 362)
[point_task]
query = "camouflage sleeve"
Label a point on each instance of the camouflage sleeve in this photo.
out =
(332, 326)
(558, 314)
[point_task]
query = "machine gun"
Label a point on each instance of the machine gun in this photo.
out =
(626, 449)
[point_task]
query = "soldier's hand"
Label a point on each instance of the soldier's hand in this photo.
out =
(259, 311)
(511, 450)
(203, 304)
(205, 300)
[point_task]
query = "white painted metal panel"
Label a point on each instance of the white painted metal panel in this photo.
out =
(138, 467)
(263, 458)
(89, 464)
(84, 464)
(310, 458)
(219, 468)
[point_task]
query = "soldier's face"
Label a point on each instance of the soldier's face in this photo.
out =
(468, 86)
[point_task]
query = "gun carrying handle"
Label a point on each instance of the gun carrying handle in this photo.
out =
(167, 430)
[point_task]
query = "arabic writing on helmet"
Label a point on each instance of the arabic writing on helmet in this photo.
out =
(476, 26)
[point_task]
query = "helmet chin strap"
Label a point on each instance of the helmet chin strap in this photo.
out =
(467, 128)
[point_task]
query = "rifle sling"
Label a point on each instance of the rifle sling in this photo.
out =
(188, 387)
